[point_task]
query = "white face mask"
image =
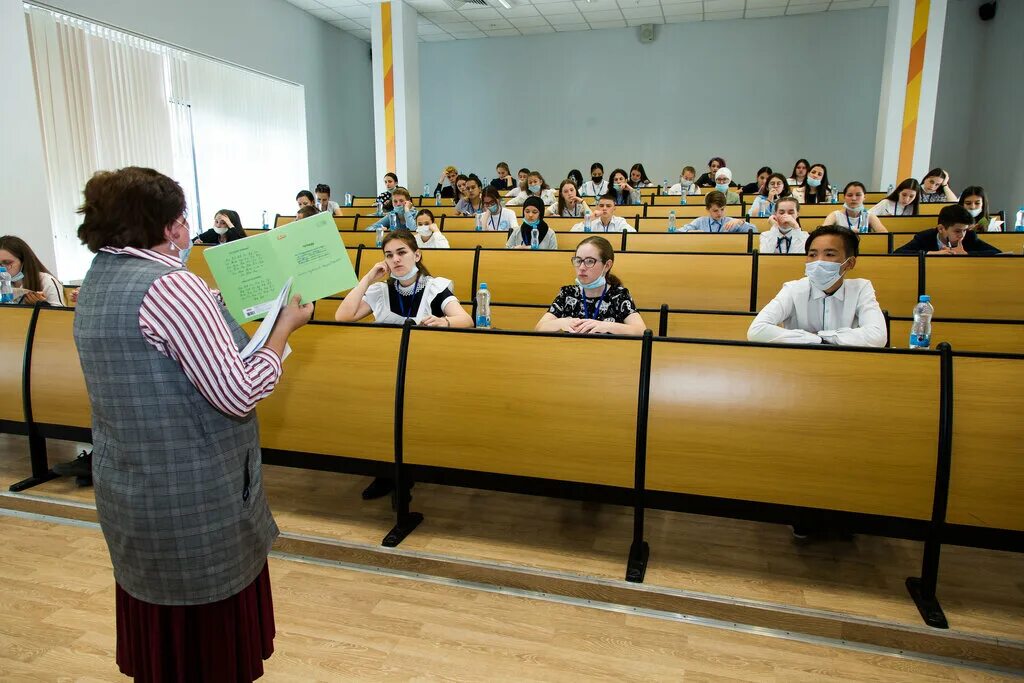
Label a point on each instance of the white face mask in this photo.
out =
(423, 231)
(974, 212)
(823, 274)
(785, 229)
(220, 231)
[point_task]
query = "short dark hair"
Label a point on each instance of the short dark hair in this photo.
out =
(523, 170)
(610, 196)
(596, 165)
(475, 178)
(130, 207)
(428, 213)
(323, 188)
(306, 211)
(232, 216)
(307, 194)
(716, 198)
(851, 242)
(393, 176)
(954, 214)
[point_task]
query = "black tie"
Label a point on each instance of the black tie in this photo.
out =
(787, 240)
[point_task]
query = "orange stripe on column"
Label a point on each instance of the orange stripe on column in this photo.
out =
(389, 86)
(912, 100)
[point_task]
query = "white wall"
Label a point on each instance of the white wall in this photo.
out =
(978, 134)
(281, 40)
(560, 101)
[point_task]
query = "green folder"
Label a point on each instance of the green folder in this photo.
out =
(251, 272)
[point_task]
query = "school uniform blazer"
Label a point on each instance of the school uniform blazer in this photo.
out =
(928, 240)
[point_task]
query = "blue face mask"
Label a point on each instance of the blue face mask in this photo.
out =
(19, 277)
(494, 209)
(399, 211)
(532, 224)
(413, 269)
(534, 188)
(813, 182)
(618, 186)
(182, 253)
(599, 282)
(722, 188)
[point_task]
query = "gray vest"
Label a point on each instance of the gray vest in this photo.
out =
(179, 487)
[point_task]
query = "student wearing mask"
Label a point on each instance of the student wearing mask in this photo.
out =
(323, 200)
(687, 184)
(951, 237)
(504, 181)
(536, 186)
(471, 204)
(974, 200)
(495, 216)
(604, 218)
(724, 183)
(824, 307)
(625, 194)
(853, 215)
(446, 184)
(902, 201)
(428, 235)
(524, 176)
(758, 185)
(816, 190)
(569, 204)
(533, 218)
(785, 235)
(775, 188)
(397, 288)
(305, 198)
(708, 179)
(935, 187)
(638, 176)
(598, 302)
(715, 220)
(402, 214)
(227, 227)
(384, 198)
(31, 281)
(597, 186)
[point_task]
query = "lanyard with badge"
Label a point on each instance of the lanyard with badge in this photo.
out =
(597, 305)
(855, 228)
(412, 300)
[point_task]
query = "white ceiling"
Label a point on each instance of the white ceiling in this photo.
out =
(439, 22)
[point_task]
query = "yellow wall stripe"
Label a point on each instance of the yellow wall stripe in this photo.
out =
(389, 86)
(912, 101)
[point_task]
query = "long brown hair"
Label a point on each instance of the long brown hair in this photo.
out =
(561, 198)
(30, 263)
(604, 248)
(408, 239)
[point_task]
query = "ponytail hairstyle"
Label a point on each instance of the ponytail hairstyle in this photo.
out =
(604, 248)
(408, 239)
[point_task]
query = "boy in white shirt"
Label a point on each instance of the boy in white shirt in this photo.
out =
(824, 307)
(715, 220)
(604, 218)
(784, 236)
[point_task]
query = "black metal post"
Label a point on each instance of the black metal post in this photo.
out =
(405, 521)
(476, 277)
(922, 276)
(639, 551)
(41, 471)
(923, 589)
(663, 321)
(753, 281)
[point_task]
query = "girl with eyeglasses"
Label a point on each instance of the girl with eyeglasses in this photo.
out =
(598, 303)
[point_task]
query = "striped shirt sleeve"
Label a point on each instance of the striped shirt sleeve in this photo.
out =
(181, 319)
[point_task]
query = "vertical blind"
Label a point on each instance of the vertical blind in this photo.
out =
(231, 137)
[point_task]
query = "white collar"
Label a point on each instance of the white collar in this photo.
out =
(839, 294)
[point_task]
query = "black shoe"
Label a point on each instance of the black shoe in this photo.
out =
(79, 467)
(378, 488)
(81, 482)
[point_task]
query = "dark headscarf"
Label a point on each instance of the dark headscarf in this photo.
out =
(542, 227)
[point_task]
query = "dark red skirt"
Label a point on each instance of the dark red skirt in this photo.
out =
(220, 641)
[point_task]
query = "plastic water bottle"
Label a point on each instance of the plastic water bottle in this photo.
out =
(664, 185)
(426, 189)
(865, 224)
(921, 330)
(682, 198)
(380, 235)
(6, 289)
(479, 222)
(586, 221)
(379, 210)
(672, 221)
(483, 307)
(890, 189)
(348, 199)
(763, 213)
(535, 238)
(437, 199)
(1019, 225)
(834, 194)
(264, 219)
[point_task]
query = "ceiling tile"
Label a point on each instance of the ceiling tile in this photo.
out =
(458, 26)
(442, 17)
(637, 3)
(585, 6)
(648, 20)
(468, 35)
(565, 27)
(356, 12)
(334, 4)
(429, 5)
(503, 32)
(642, 12)
(711, 16)
(306, 4)
(558, 8)
(621, 23)
(849, 4)
(429, 30)
(492, 24)
(325, 13)
(522, 11)
(805, 9)
(603, 15)
(441, 37)
(766, 12)
(795, 3)
(762, 4)
(527, 22)
(683, 18)
(532, 30)
(681, 10)
(724, 5)
(480, 14)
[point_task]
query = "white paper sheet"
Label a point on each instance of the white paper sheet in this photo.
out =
(262, 333)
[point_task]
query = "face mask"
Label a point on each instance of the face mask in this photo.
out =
(532, 224)
(617, 186)
(597, 179)
(220, 231)
(182, 253)
(19, 277)
(974, 212)
(852, 208)
(413, 269)
(823, 274)
(785, 229)
(534, 188)
(424, 231)
(599, 282)
(722, 187)
(814, 182)
(685, 184)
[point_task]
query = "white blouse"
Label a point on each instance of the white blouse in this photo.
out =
(437, 293)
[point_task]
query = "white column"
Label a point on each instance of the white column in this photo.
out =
(396, 93)
(23, 188)
(910, 82)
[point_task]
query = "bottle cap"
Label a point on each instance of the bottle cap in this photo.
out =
(483, 285)
(924, 298)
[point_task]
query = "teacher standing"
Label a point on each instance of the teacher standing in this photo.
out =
(176, 459)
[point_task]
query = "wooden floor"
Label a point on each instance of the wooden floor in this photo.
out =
(57, 596)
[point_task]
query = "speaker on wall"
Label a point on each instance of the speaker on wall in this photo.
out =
(647, 33)
(987, 10)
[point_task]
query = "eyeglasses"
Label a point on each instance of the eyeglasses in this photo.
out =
(589, 262)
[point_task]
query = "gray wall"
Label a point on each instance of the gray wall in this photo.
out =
(281, 40)
(560, 101)
(979, 137)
